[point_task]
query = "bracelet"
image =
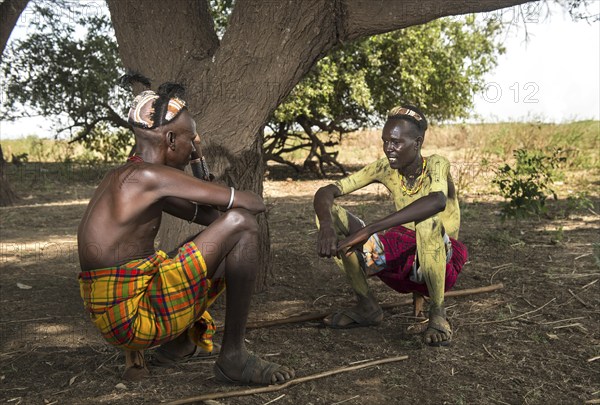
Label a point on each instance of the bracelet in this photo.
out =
(231, 198)
(195, 214)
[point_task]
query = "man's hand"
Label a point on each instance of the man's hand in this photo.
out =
(327, 242)
(353, 242)
(327, 238)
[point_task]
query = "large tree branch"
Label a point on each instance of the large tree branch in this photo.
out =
(10, 11)
(87, 128)
(164, 39)
(265, 51)
(269, 46)
(279, 159)
(116, 118)
(361, 18)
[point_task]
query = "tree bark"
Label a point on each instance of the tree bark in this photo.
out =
(7, 195)
(235, 84)
(363, 18)
(10, 11)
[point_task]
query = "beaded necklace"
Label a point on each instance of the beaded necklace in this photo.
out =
(417, 187)
(135, 159)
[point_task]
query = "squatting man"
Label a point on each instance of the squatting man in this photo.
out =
(412, 250)
(139, 297)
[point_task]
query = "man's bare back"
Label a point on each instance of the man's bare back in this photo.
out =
(120, 265)
(119, 224)
(123, 216)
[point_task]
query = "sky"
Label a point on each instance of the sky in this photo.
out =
(553, 76)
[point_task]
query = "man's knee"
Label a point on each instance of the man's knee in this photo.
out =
(241, 220)
(430, 228)
(430, 243)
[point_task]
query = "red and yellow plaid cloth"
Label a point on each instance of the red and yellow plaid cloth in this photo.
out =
(150, 301)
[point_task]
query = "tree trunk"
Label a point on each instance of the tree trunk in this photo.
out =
(7, 195)
(246, 173)
(10, 11)
(236, 83)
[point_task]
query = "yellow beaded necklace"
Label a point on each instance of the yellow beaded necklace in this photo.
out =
(417, 187)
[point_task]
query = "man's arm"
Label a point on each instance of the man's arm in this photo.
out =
(163, 182)
(417, 211)
(204, 215)
(425, 207)
(323, 201)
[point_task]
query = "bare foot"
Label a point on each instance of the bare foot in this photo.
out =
(439, 332)
(249, 369)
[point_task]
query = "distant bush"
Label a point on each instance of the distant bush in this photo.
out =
(37, 149)
(527, 185)
(106, 145)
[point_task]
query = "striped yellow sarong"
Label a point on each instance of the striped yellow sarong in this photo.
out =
(150, 301)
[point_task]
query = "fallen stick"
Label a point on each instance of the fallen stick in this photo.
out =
(313, 316)
(585, 304)
(273, 388)
(510, 319)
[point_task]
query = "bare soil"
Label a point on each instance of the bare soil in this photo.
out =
(536, 341)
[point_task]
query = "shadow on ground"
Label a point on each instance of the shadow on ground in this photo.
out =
(528, 343)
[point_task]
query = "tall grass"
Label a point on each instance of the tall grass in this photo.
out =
(41, 149)
(465, 142)
(580, 140)
(477, 150)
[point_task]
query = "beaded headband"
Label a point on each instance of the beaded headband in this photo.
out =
(142, 112)
(394, 112)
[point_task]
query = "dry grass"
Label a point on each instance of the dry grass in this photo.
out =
(498, 141)
(476, 150)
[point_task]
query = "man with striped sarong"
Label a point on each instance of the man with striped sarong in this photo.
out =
(139, 297)
(414, 249)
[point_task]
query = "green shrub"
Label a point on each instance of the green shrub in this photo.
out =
(578, 201)
(528, 184)
(105, 144)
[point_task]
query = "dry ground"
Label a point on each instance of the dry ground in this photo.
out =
(532, 342)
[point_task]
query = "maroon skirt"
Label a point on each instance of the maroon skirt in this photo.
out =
(400, 246)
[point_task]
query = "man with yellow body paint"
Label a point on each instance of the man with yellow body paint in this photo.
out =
(414, 249)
